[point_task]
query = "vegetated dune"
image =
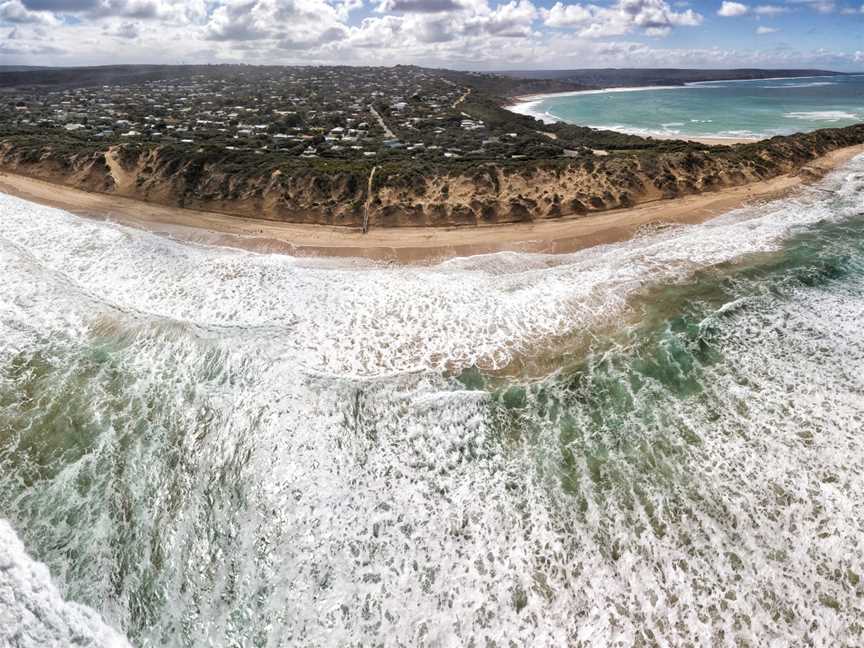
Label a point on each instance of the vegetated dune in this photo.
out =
(463, 193)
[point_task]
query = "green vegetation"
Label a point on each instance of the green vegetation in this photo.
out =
(405, 115)
(248, 125)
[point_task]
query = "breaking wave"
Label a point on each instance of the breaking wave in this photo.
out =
(32, 611)
(822, 115)
(811, 84)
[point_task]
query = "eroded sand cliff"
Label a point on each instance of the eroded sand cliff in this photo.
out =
(485, 193)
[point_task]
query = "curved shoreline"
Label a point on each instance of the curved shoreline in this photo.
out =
(408, 244)
(686, 84)
(525, 104)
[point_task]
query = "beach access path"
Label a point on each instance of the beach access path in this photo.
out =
(410, 244)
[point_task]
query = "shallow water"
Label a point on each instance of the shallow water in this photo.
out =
(733, 109)
(653, 442)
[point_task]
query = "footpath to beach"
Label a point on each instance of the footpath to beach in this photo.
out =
(410, 244)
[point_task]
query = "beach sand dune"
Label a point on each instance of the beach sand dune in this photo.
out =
(409, 244)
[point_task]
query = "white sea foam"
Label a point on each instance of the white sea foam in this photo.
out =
(532, 109)
(32, 610)
(543, 108)
(262, 449)
(341, 319)
(762, 80)
(822, 115)
(635, 130)
(532, 105)
(667, 132)
(814, 84)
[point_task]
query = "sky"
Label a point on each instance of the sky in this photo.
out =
(459, 34)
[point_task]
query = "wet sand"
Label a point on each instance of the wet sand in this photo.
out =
(409, 244)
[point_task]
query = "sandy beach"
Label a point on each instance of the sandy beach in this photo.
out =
(407, 244)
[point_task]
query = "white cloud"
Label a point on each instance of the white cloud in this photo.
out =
(766, 30)
(472, 34)
(128, 30)
(821, 6)
(418, 35)
(417, 6)
(572, 51)
(285, 21)
(653, 17)
(568, 15)
(512, 20)
(100, 8)
(15, 12)
(732, 9)
(770, 10)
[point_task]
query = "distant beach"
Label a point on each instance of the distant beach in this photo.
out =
(716, 112)
(527, 105)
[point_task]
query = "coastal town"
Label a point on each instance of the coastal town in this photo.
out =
(402, 112)
(358, 147)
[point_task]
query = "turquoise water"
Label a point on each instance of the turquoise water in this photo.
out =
(657, 442)
(760, 108)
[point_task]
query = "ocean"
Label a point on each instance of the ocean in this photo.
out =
(731, 109)
(655, 442)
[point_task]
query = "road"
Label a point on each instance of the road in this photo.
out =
(387, 131)
(462, 98)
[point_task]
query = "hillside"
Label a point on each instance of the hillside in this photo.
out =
(400, 195)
